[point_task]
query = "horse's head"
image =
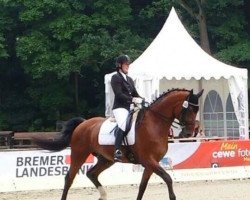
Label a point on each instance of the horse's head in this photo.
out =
(178, 104)
(186, 111)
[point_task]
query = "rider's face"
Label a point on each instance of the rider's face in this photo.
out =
(125, 67)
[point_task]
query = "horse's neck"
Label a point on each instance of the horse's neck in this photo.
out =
(160, 119)
(166, 108)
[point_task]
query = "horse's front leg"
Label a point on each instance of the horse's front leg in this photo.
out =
(144, 181)
(167, 179)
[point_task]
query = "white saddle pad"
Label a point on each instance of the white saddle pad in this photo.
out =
(106, 134)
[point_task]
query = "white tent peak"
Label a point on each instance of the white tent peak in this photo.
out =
(174, 54)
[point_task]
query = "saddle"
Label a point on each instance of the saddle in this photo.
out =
(109, 129)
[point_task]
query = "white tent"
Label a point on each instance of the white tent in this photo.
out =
(175, 60)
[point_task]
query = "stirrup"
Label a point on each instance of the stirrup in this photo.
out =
(118, 155)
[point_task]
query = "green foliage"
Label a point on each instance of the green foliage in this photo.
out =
(228, 27)
(65, 36)
(3, 121)
(6, 24)
(61, 38)
(238, 53)
(152, 17)
(54, 53)
(3, 52)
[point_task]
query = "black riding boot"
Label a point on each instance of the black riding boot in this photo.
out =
(118, 143)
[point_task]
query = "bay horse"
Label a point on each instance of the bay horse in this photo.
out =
(151, 142)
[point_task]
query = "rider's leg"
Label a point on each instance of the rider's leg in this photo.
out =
(118, 143)
(121, 115)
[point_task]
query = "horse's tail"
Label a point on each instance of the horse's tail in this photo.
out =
(63, 140)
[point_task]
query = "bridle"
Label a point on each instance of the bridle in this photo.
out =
(185, 107)
(182, 122)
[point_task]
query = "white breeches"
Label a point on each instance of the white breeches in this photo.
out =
(121, 115)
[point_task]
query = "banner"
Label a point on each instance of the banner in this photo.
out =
(22, 170)
(211, 154)
(31, 169)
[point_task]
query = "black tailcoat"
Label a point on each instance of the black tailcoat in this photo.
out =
(124, 91)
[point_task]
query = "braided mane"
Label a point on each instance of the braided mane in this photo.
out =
(142, 111)
(167, 93)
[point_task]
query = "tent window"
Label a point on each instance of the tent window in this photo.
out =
(232, 122)
(213, 115)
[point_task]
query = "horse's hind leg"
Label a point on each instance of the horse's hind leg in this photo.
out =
(77, 159)
(94, 172)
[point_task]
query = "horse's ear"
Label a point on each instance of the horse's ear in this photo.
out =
(191, 92)
(200, 93)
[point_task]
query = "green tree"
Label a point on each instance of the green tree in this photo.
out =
(54, 54)
(68, 41)
(225, 22)
(14, 108)
(222, 21)
(197, 10)
(230, 37)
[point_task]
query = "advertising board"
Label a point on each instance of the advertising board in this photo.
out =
(22, 170)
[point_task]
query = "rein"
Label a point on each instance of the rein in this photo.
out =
(182, 122)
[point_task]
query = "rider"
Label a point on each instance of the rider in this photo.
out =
(125, 94)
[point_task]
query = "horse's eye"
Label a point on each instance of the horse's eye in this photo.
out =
(194, 108)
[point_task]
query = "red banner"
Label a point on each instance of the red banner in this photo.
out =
(208, 154)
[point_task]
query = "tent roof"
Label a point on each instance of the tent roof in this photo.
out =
(174, 54)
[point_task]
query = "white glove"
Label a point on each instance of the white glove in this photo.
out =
(137, 100)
